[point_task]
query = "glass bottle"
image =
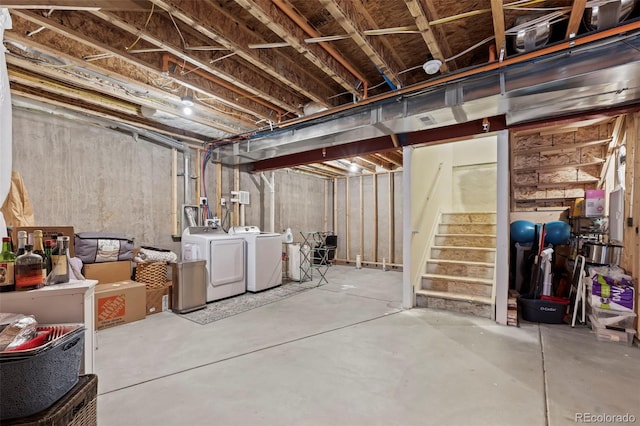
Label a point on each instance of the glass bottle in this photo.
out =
(59, 262)
(38, 248)
(48, 249)
(7, 265)
(22, 241)
(28, 270)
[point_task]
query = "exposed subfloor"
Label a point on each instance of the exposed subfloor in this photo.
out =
(345, 353)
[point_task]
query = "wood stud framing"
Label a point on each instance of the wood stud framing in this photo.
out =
(551, 168)
(356, 228)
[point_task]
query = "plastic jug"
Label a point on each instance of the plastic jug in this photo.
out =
(288, 236)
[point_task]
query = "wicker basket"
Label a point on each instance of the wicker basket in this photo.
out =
(152, 274)
(76, 408)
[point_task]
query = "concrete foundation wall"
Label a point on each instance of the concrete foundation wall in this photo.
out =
(98, 179)
(95, 179)
(299, 202)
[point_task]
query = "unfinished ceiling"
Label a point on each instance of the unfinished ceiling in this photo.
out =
(254, 67)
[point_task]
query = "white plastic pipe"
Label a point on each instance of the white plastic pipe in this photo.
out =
(272, 200)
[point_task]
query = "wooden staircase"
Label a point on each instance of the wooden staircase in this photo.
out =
(460, 270)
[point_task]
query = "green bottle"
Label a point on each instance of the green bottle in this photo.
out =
(7, 266)
(48, 249)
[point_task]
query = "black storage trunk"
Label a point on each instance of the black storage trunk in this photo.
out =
(29, 384)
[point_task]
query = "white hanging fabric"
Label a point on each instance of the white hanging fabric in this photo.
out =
(6, 152)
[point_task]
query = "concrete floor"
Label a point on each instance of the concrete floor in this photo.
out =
(345, 353)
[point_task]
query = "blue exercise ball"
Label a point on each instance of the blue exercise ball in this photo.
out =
(557, 232)
(523, 231)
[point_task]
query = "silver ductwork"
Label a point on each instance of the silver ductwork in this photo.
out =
(531, 37)
(596, 75)
(599, 15)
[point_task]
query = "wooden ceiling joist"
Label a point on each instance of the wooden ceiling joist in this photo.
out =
(497, 13)
(138, 5)
(264, 11)
(269, 92)
(422, 22)
(577, 12)
(154, 98)
(291, 75)
(390, 157)
(351, 21)
(374, 161)
(364, 165)
(316, 171)
(75, 42)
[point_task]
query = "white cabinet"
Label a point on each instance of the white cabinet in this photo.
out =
(62, 303)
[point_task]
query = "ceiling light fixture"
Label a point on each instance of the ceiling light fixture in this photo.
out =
(187, 100)
(353, 167)
(432, 66)
(187, 104)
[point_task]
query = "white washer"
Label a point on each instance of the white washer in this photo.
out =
(264, 257)
(225, 260)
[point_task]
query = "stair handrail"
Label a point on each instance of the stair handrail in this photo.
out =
(425, 252)
(434, 184)
(416, 229)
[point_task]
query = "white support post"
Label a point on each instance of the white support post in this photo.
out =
(408, 294)
(502, 228)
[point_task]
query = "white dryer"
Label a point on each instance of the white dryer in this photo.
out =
(264, 257)
(225, 260)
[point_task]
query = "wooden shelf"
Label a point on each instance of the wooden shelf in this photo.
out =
(559, 167)
(556, 149)
(542, 200)
(555, 184)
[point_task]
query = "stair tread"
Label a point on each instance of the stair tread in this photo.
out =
(456, 296)
(461, 262)
(464, 247)
(486, 281)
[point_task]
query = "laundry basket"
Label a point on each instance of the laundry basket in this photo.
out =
(153, 274)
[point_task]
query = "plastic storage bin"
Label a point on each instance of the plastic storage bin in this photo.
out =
(34, 380)
(604, 334)
(545, 311)
(622, 319)
(77, 408)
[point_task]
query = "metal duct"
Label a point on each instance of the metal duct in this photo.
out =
(607, 14)
(593, 75)
(531, 37)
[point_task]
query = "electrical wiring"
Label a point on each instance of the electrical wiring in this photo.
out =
(153, 6)
(184, 44)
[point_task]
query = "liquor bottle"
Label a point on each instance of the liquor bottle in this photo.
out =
(22, 241)
(48, 249)
(59, 262)
(28, 270)
(38, 248)
(7, 265)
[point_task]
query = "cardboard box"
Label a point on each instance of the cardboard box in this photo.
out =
(594, 203)
(108, 272)
(119, 303)
(47, 233)
(159, 299)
